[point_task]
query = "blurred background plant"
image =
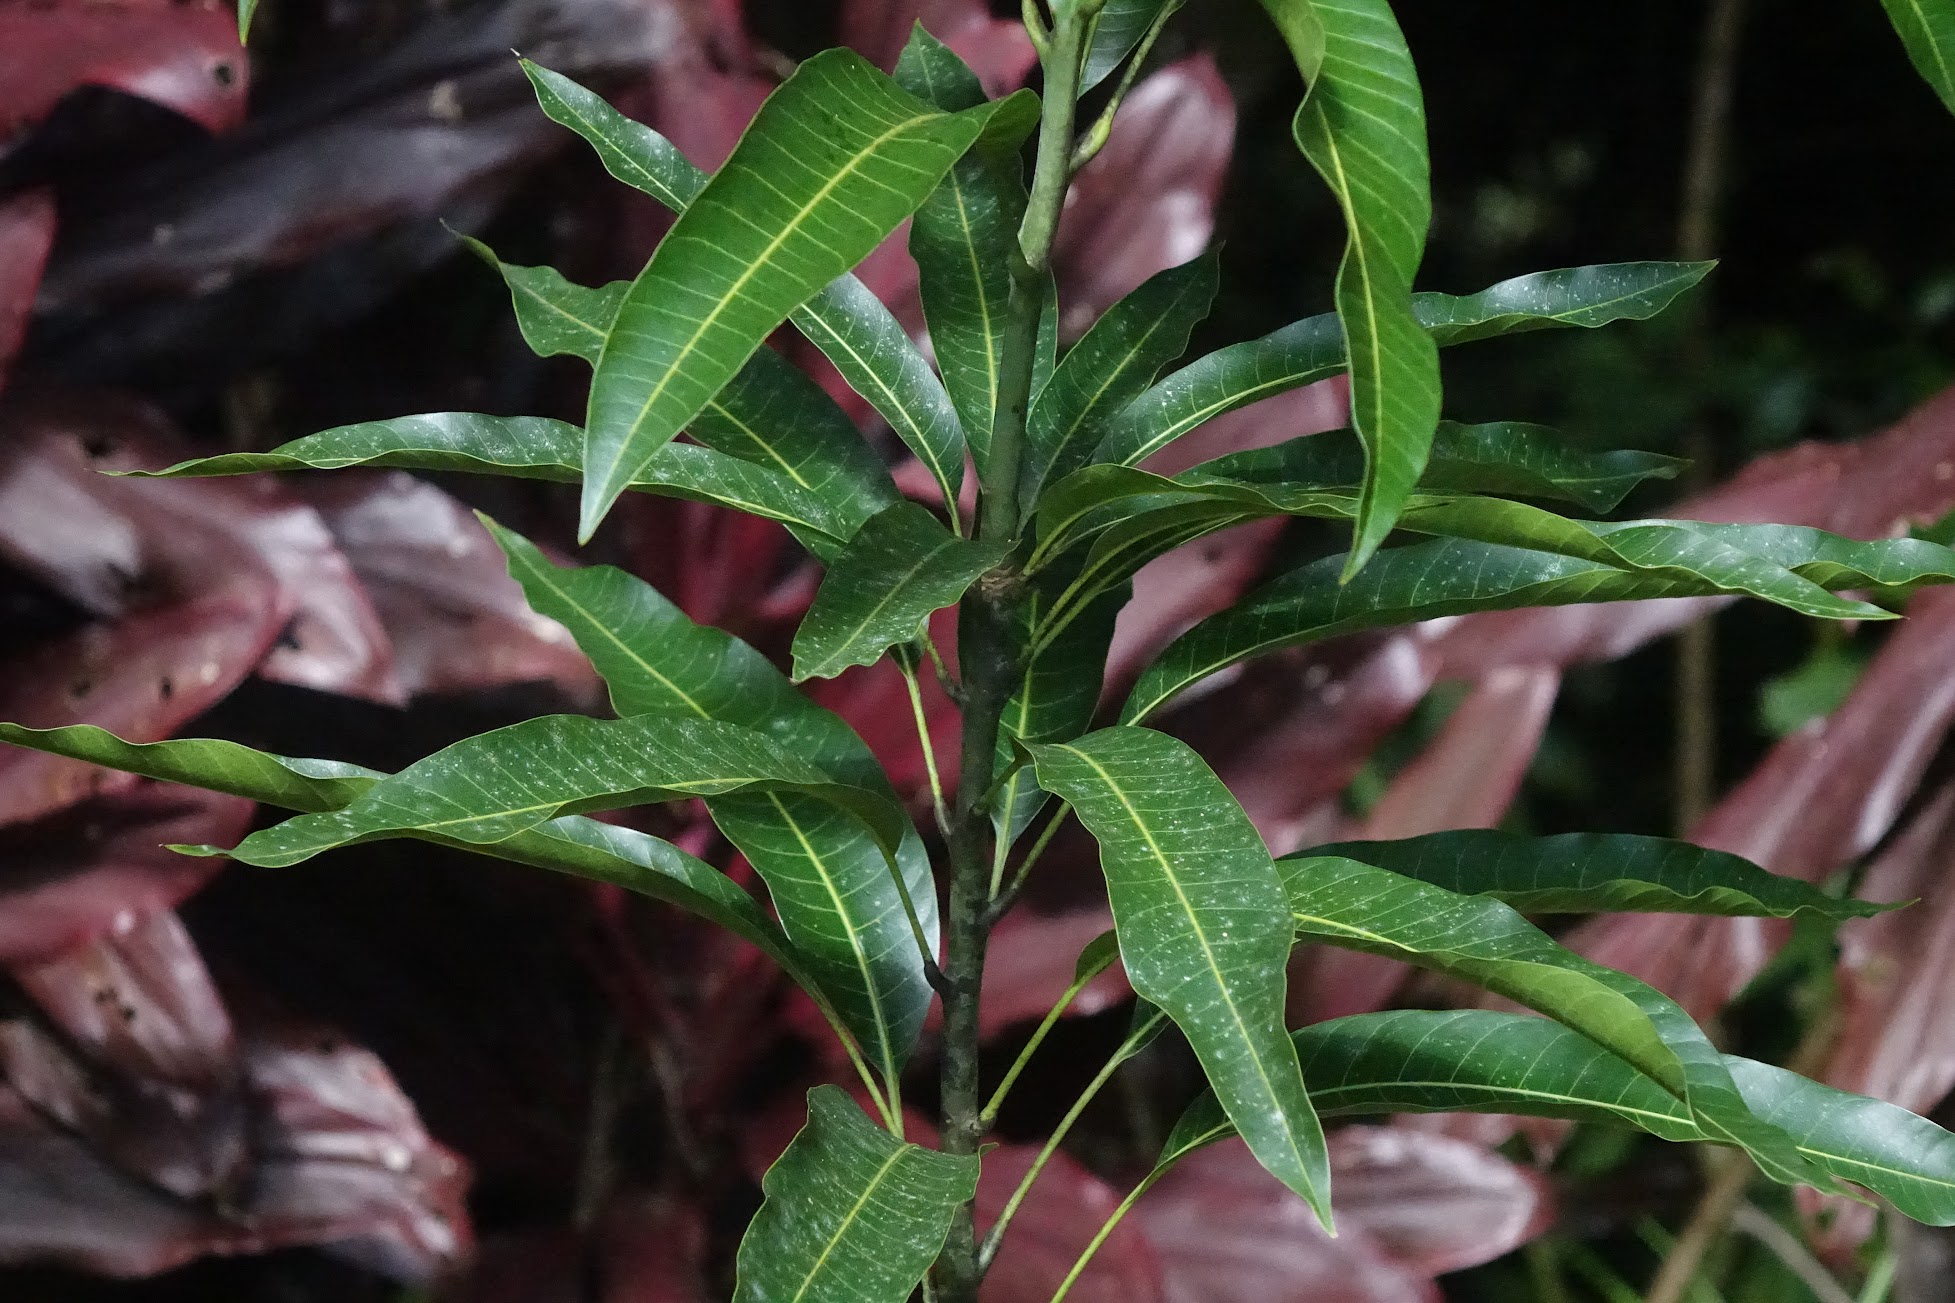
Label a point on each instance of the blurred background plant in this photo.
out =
(399, 1074)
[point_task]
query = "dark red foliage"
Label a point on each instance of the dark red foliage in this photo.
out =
(183, 56)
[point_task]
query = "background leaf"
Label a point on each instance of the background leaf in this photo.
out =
(836, 158)
(1927, 28)
(1202, 926)
(898, 569)
(852, 1214)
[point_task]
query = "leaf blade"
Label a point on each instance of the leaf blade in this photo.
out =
(1927, 29)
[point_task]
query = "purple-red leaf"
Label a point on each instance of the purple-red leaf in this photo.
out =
(184, 56)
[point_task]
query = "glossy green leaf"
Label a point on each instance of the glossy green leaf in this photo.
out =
(845, 321)
(532, 447)
(1313, 349)
(852, 1214)
(830, 881)
(1120, 27)
(309, 786)
(1203, 928)
(1362, 126)
(1927, 29)
(899, 568)
(1478, 939)
(1455, 576)
(1580, 873)
(964, 238)
(247, 9)
(509, 780)
(1111, 365)
(1474, 1061)
(836, 158)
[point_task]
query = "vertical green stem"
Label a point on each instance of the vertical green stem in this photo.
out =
(989, 655)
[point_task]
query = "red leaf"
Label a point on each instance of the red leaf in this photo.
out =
(1064, 1210)
(183, 56)
(1468, 775)
(96, 867)
(26, 235)
(997, 49)
(1032, 960)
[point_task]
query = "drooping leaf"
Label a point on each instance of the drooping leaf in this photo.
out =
(852, 1214)
(510, 780)
(1313, 349)
(534, 447)
(898, 569)
(1362, 126)
(1927, 29)
(1583, 873)
(964, 238)
(831, 882)
(1417, 1061)
(309, 786)
(1359, 907)
(1453, 576)
(1203, 930)
(835, 159)
(1122, 24)
(845, 321)
(1110, 366)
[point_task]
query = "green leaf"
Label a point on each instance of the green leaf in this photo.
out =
(1473, 1061)
(306, 785)
(1480, 940)
(1580, 873)
(1110, 366)
(834, 160)
(852, 1214)
(1455, 576)
(1313, 349)
(1362, 126)
(1927, 29)
(845, 321)
(830, 881)
(1200, 913)
(509, 780)
(246, 10)
(964, 238)
(1121, 25)
(532, 447)
(900, 568)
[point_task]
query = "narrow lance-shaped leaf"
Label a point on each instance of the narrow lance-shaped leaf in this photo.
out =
(1120, 27)
(1474, 1061)
(852, 1214)
(834, 160)
(1362, 126)
(1203, 926)
(1313, 349)
(533, 447)
(1449, 576)
(510, 780)
(1927, 29)
(1110, 366)
(574, 845)
(770, 414)
(898, 569)
(851, 326)
(1581, 873)
(964, 237)
(1479, 940)
(831, 882)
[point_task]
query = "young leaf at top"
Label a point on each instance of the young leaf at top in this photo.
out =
(831, 882)
(851, 326)
(1358, 907)
(1580, 873)
(509, 780)
(1475, 1061)
(533, 447)
(1362, 126)
(834, 160)
(1310, 350)
(1927, 29)
(964, 237)
(1204, 928)
(1453, 576)
(898, 569)
(1110, 366)
(1120, 27)
(852, 1214)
